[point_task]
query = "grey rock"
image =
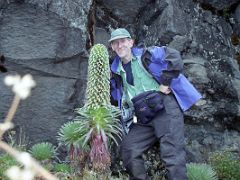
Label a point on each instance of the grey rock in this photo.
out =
(218, 4)
(180, 43)
(75, 12)
(47, 40)
(196, 71)
(166, 22)
(102, 36)
(237, 14)
(35, 33)
(48, 107)
(201, 143)
(126, 11)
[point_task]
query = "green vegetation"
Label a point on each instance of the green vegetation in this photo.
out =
(226, 164)
(226, 13)
(64, 168)
(6, 161)
(43, 151)
(200, 172)
(17, 140)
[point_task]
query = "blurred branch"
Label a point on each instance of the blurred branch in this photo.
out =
(21, 88)
(33, 163)
(8, 121)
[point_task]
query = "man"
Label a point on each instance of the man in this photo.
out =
(162, 73)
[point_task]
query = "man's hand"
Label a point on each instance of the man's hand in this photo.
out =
(165, 89)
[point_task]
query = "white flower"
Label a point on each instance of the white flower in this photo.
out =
(25, 159)
(13, 173)
(11, 80)
(27, 174)
(134, 119)
(5, 126)
(21, 86)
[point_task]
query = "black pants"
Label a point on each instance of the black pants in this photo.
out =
(168, 129)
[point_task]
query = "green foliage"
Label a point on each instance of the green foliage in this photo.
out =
(102, 120)
(17, 140)
(200, 172)
(6, 161)
(43, 151)
(71, 134)
(226, 12)
(65, 168)
(226, 164)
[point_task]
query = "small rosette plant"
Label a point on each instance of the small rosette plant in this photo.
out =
(200, 171)
(43, 151)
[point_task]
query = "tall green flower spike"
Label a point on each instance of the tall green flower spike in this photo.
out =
(97, 111)
(98, 88)
(98, 119)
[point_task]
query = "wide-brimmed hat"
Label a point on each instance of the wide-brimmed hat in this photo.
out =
(119, 33)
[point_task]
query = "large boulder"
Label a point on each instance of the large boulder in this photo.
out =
(48, 40)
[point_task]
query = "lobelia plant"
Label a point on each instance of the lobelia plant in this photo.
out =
(97, 120)
(100, 115)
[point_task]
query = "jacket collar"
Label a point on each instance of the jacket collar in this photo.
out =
(135, 51)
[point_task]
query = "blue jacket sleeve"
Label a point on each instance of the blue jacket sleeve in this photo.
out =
(174, 67)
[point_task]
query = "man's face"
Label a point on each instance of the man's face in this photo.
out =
(122, 47)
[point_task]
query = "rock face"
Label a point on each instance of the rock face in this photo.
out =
(203, 32)
(219, 5)
(50, 40)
